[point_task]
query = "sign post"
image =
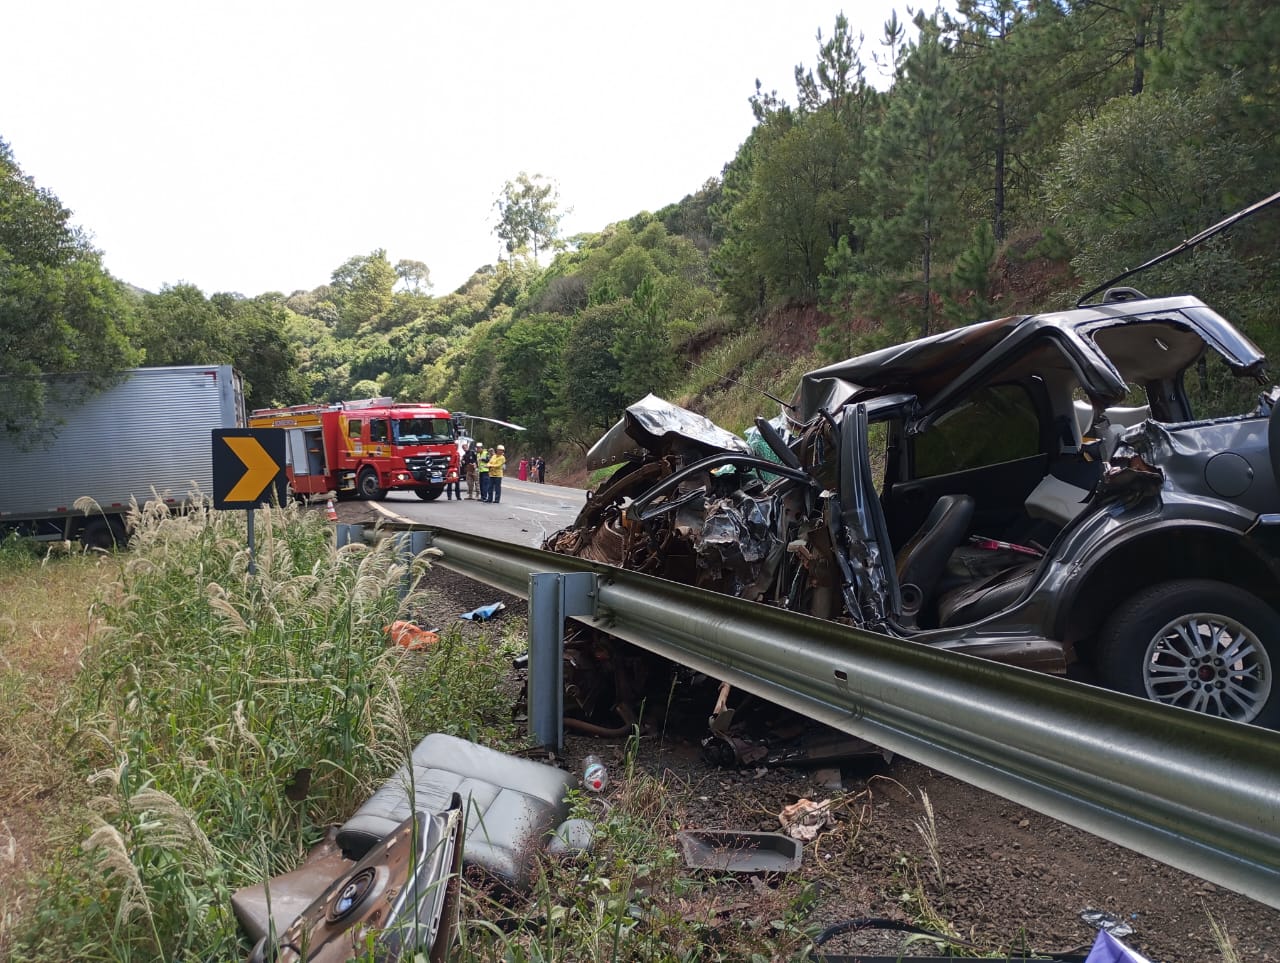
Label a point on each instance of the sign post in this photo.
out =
(248, 469)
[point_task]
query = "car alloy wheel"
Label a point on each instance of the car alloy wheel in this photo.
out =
(1174, 643)
(1209, 663)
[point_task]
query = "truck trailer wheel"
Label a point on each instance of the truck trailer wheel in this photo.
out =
(103, 534)
(428, 494)
(367, 485)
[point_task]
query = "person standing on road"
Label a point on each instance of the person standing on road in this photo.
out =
(523, 473)
(453, 478)
(469, 461)
(497, 462)
(482, 468)
(542, 468)
(453, 481)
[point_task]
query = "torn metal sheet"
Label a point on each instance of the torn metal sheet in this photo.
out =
(404, 891)
(290, 894)
(652, 424)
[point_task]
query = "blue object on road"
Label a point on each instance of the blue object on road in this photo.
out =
(1108, 949)
(484, 613)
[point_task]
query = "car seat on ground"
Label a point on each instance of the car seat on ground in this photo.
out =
(512, 805)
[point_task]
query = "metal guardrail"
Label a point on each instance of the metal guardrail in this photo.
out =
(1198, 793)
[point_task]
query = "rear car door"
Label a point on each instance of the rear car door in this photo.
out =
(993, 444)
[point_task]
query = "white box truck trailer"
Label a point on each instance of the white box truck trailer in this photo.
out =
(148, 437)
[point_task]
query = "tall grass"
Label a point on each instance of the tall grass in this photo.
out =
(17, 554)
(221, 721)
(225, 719)
(726, 360)
(45, 602)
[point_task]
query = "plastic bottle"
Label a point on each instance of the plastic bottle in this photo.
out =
(594, 775)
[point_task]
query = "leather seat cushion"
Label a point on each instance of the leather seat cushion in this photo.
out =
(511, 804)
(924, 556)
(977, 600)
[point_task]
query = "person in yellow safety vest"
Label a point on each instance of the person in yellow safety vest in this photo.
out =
(497, 462)
(482, 468)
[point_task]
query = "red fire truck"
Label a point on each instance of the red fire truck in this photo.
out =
(366, 448)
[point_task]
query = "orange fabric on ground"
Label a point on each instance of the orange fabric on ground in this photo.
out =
(410, 636)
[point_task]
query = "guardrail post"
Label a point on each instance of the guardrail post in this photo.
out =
(409, 545)
(553, 597)
(346, 534)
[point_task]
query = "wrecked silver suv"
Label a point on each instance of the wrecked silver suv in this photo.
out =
(987, 490)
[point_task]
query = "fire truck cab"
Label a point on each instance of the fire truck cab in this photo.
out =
(366, 448)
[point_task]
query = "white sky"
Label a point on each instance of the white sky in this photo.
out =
(256, 146)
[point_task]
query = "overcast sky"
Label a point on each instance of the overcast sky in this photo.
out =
(256, 146)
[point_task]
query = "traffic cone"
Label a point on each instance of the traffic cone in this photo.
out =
(330, 512)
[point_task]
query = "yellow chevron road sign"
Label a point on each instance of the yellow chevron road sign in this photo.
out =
(247, 463)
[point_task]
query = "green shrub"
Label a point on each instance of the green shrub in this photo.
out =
(18, 554)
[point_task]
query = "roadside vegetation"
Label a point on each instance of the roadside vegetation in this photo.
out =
(174, 728)
(217, 722)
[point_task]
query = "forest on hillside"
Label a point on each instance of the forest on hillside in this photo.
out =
(1063, 140)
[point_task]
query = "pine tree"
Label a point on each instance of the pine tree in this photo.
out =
(995, 87)
(918, 174)
(971, 297)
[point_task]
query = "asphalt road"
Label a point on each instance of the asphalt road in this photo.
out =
(526, 515)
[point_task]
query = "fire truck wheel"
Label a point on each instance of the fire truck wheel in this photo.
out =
(368, 486)
(428, 494)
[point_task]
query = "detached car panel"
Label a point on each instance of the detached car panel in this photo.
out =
(992, 490)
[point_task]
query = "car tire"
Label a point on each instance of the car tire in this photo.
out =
(367, 485)
(1199, 644)
(428, 494)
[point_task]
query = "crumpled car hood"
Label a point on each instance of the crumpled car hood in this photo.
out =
(653, 425)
